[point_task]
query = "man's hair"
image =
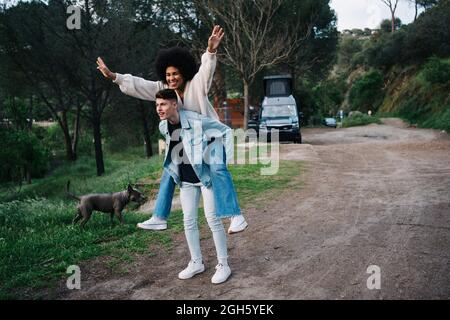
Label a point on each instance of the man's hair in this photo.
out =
(167, 94)
(179, 58)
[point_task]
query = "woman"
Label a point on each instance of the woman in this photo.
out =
(177, 70)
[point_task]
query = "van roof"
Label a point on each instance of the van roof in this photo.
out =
(285, 76)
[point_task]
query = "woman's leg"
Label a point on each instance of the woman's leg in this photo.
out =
(226, 200)
(165, 196)
(190, 196)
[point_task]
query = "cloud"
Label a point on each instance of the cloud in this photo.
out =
(368, 13)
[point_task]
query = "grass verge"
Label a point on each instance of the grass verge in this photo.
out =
(38, 242)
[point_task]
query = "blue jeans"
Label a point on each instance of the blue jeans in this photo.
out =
(225, 196)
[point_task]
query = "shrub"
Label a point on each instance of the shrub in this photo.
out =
(21, 149)
(359, 120)
(367, 92)
(437, 72)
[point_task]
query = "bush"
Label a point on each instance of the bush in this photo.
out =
(437, 72)
(367, 92)
(21, 151)
(439, 121)
(329, 95)
(360, 120)
(53, 139)
(413, 109)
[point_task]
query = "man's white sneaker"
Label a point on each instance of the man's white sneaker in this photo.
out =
(222, 274)
(192, 269)
(154, 223)
(238, 224)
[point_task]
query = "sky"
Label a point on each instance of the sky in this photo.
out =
(357, 13)
(368, 13)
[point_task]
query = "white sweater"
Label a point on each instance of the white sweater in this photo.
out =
(195, 92)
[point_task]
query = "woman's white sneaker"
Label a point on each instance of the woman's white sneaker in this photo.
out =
(222, 274)
(154, 223)
(192, 269)
(238, 224)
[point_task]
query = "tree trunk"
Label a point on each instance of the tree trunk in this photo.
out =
(393, 22)
(76, 128)
(246, 104)
(67, 139)
(30, 114)
(416, 6)
(145, 126)
(27, 174)
(97, 140)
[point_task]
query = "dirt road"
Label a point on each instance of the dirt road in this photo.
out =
(375, 195)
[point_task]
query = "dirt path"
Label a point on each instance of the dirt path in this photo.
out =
(374, 195)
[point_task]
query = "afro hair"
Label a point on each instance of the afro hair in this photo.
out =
(179, 58)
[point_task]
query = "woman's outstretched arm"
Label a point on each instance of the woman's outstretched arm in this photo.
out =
(131, 85)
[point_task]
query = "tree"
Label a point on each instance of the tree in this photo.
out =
(386, 25)
(254, 39)
(425, 4)
(392, 4)
(31, 62)
(60, 63)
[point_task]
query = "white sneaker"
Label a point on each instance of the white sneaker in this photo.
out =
(192, 269)
(154, 223)
(238, 224)
(222, 274)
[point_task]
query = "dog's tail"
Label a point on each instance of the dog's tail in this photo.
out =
(71, 195)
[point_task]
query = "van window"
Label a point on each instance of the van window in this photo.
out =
(279, 111)
(278, 87)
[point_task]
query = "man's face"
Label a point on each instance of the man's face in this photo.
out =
(174, 78)
(166, 108)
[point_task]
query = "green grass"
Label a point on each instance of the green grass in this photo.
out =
(38, 242)
(360, 121)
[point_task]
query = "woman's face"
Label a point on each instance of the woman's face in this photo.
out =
(174, 78)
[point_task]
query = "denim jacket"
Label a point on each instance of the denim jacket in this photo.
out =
(225, 196)
(195, 132)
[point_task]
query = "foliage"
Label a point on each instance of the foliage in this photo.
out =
(329, 95)
(437, 72)
(21, 153)
(429, 35)
(360, 120)
(367, 92)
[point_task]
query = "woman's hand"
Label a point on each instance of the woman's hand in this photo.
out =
(215, 38)
(104, 69)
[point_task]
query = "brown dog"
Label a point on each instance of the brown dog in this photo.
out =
(112, 203)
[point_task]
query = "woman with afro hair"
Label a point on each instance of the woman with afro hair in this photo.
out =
(177, 69)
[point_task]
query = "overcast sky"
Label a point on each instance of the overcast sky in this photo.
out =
(368, 13)
(357, 13)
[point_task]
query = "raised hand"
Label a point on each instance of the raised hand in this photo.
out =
(104, 69)
(215, 38)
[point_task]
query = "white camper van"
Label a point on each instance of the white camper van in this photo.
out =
(279, 109)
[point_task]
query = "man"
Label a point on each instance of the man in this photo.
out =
(187, 153)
